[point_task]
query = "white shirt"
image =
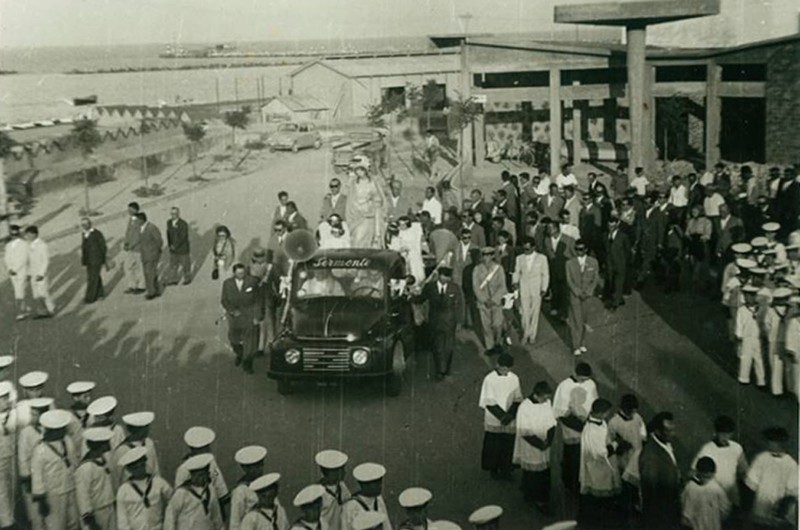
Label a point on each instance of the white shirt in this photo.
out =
(239, 283)
(704, 505)
(711, 204)
(772, 478)
(433, 207)
(16, 256)
(582, 262)
(678, 197)
(640, 183)
(566, 180)
(573, 398)
(544, 187)
(500, 390)
(707, 178)
(38, 258)
(533, 419)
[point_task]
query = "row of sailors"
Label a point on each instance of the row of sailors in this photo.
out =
(79, 466)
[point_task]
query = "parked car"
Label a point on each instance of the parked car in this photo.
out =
(295, 136)
(349, 319)
(359, 142)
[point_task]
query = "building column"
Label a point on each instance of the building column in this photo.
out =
(480, 139)
(713, 113)
(637, 79)
(555, 121)
(577, 132)
(466, 93)
(651, 150)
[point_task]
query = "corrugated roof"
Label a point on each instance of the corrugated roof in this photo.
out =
(378, 67)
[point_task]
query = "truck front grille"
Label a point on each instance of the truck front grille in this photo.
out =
(326, 361)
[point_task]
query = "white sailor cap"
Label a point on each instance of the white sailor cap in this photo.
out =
(771, 227)
(750, 288)
(485, 515)
(415, 497)
(562, 525)
(55, 419)
(198, 462)
(131, 457)
(41, 403)
(308, 495)
(758, 242)
(197, 437)
(794, 299)
(6, 361)
(98, 434)
(5, 388)
(331, 459)
(369, 472)
(33, 379)
(369, 520)
(102, 406)
(741, 248)
(779, 293)
(252, 454)
(744, 263)
(138, 419)
(265, 481)
(443, 525)
(80, 387)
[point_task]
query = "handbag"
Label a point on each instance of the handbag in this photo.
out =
(215, 274)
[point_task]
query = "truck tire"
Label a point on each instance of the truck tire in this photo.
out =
(284, 387)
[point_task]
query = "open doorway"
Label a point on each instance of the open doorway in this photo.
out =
(743, 134)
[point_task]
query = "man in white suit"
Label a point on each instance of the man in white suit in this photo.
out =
(531, 279)
(38, 262)
(16, 260)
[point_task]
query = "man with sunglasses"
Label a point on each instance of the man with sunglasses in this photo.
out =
(583, 276)
(334, 202)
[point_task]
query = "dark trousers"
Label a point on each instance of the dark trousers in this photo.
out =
(570, 466)
(94, 283)
(559, 291)
(150, 270)
(615, 285)
(475, 319)
(536, 487)
(444, 340)
(598, 512)
(244, 339)
(498, 452)
(182, 262)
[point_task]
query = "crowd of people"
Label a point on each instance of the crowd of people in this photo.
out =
(82, 465)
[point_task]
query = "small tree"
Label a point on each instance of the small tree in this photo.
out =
(463, 113)
(432, 96)
(236, 119)
(6, 144)
(194, 132)
(674, 114)
(144, 128)
(87, 138)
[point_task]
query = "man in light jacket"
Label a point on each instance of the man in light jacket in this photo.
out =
(150, 245)
(38, 262)
(16, 261)
(531, 279)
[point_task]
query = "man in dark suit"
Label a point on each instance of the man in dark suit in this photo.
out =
(618, 255)
(150, 245)
(697, 192)
(93, 257)
(281, 212)
(294, 219)
(446, 311)
(178, 243)
(551, 204)
(243, 303)
(786, 204)
(591, 226)
(558, 248)
(334, 202)
(654, 230)
(660, 478)
(729, 230)
(583, 275)
(275, 252)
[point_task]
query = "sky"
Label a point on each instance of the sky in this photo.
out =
(112, 22)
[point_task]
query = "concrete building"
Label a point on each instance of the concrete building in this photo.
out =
(295, 108)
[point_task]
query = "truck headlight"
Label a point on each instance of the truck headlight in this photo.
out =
(360, 356)
(292, 356)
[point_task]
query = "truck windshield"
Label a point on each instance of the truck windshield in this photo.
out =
(339, 283)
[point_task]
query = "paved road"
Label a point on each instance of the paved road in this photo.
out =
(169, 356)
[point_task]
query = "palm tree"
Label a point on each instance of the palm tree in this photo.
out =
(194, 132)
(87, 137)
(236, 119)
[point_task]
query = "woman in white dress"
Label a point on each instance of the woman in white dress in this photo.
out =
(365, 210)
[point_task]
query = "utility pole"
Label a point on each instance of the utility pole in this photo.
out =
(464, 135)
(216, 80)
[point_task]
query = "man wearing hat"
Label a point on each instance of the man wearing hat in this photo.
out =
(309, 500)
(93, 487)
(199, 440)
(731, 269)
(500, 396)
(251, 460)
(29, 438)
(770, 233)
(194, 505)
(415, 502)
(267, 514)
(486, 518)
(5, 376)
(142, 499)
(32, 385)
(332, 466)
(101, 414)
(81, 393)
(16, 261)
(244, 308)
(368, 498)
(775, 319)
(38, 264)
(732, 296)
(137, 427)
(8, 448)
(446, 310)
(52, 473)
(489, 286)
(772, 478)
(572, 402)
(748, 338)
